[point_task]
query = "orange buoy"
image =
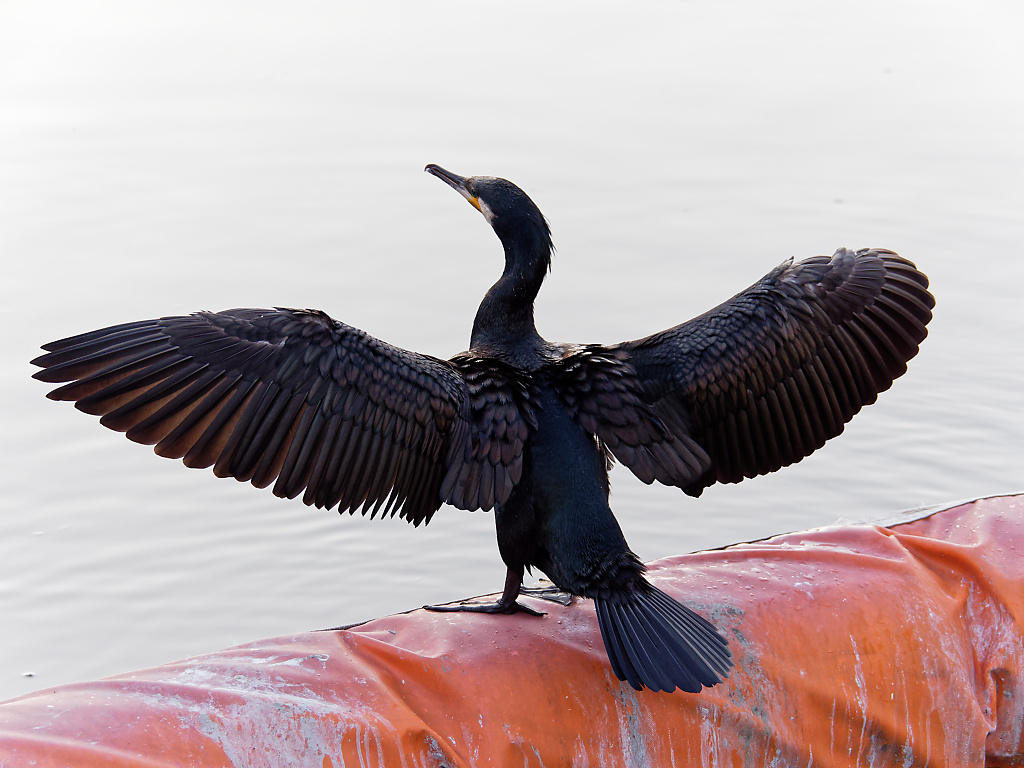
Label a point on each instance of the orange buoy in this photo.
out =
(896, 644)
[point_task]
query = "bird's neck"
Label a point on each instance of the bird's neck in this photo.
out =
(505, 316)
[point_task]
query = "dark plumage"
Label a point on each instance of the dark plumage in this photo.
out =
(519, 424)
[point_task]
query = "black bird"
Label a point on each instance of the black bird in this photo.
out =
(519, 424)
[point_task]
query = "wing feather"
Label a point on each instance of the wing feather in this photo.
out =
(199, 426)
(149, 422)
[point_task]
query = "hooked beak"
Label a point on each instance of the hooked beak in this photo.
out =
(456, 182)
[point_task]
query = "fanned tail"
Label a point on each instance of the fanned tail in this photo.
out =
(656, 642)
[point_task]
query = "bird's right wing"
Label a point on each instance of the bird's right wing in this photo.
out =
(291, 396)
(767, 377)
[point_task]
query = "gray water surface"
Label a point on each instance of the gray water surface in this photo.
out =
(160, 159)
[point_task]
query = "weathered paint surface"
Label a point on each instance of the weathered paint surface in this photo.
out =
(854, 646)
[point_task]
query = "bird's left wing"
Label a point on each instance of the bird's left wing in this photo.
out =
(265, 395)
(766, 378)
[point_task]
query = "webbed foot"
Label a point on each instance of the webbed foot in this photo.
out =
(498, 607)
(506, 603)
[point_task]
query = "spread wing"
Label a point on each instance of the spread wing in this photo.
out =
(766, 378)
(289, 397)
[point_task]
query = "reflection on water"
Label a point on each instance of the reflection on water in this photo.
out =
(247, 156)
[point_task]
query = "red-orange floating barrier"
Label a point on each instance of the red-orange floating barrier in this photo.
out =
(868, 645)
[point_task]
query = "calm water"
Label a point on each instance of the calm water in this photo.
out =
(239, 154)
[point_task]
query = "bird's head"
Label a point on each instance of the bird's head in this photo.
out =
(515, 218)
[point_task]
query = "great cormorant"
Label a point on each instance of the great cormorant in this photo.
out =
(519, 424)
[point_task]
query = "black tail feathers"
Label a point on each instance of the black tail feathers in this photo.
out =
(656, 642)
